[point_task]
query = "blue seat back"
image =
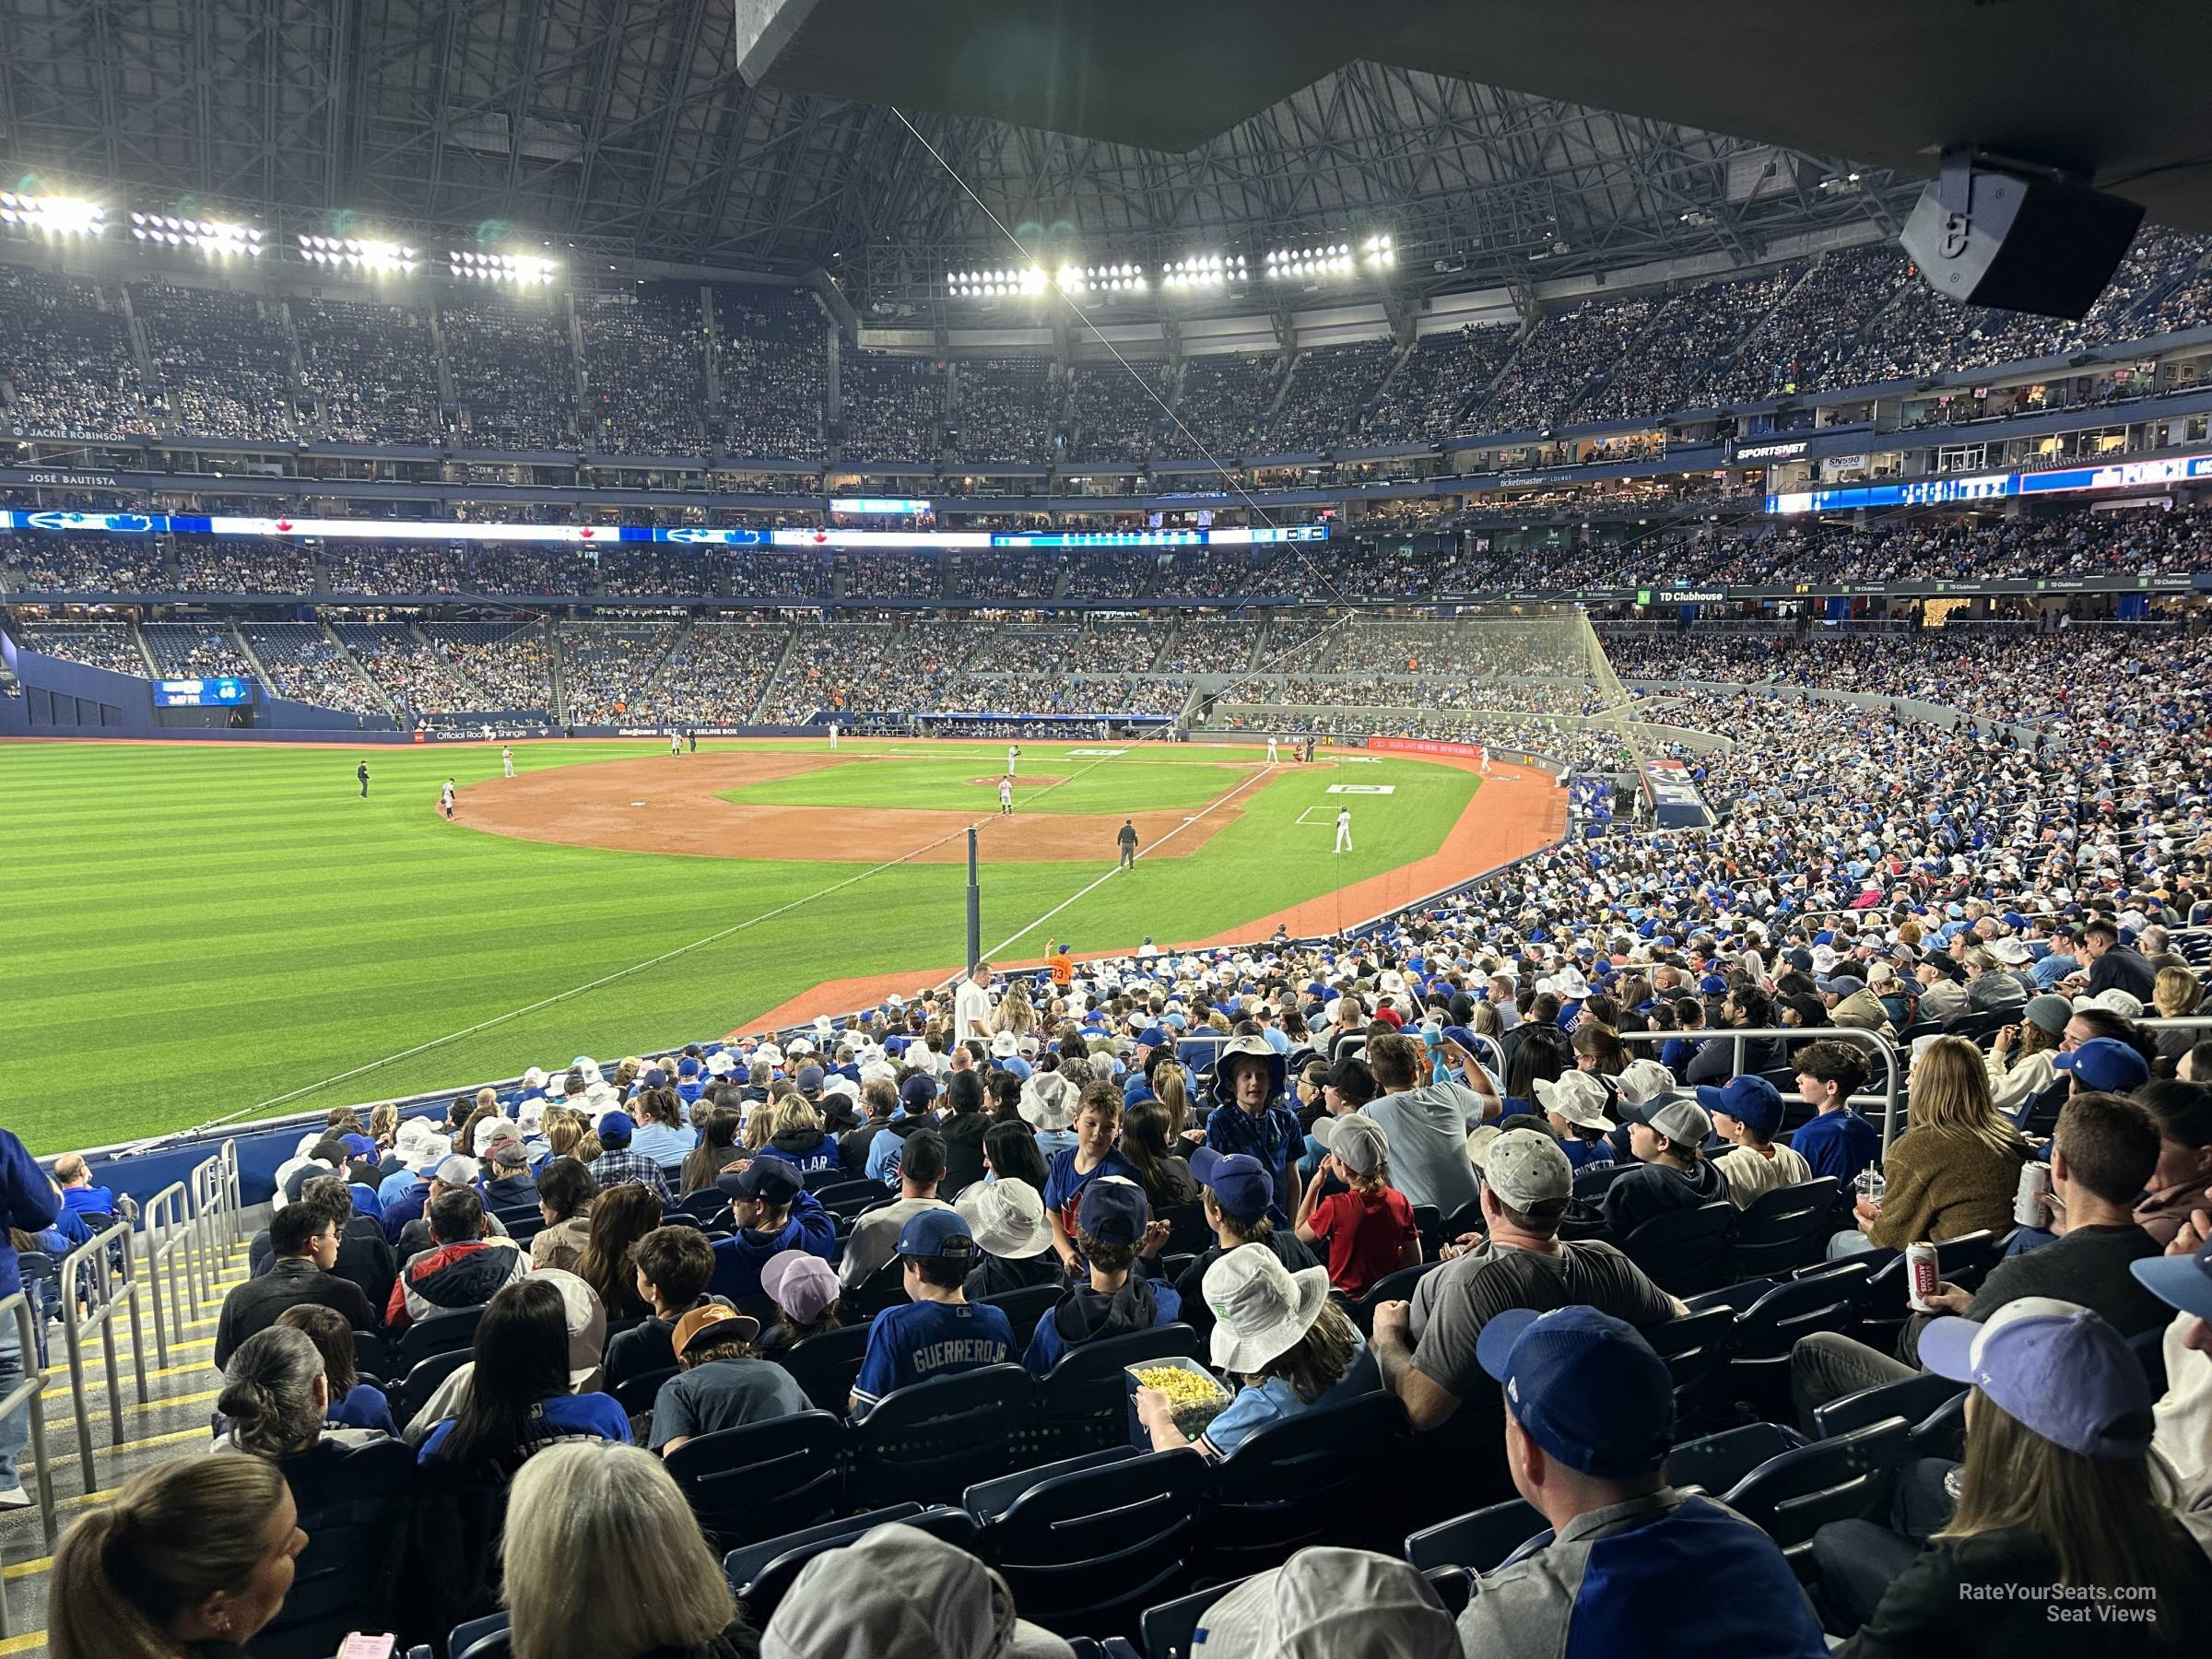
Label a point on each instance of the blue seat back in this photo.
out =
(826, 1366)
(928, 1441)
(1793, 1495)
(1478, 1541)
(353, 1505)
(1086, 1550)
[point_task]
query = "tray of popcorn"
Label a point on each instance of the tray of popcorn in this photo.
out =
(1195, 1394)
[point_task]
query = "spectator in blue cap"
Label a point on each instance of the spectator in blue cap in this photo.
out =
(1113, 1227)
(774, 1212)
(2102, 1063)
(2061, 1507)
(1589, 1416)
(1235, 1191)
(1747, 1113)
(917, 1105)
(937, 1332)
(616, 1163)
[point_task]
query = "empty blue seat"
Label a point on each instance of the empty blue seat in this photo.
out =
(763, 1480)
(929, 1442)
(1085, 1549)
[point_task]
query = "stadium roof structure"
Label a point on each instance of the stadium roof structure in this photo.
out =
(643, 130)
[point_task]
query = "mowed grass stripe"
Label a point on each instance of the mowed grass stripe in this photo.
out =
(242, 926)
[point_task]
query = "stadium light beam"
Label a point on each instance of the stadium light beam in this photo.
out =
(55, 216)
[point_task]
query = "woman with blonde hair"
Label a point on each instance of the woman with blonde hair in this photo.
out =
(1171, 1087)
(192, 1559)
(611, 1564)
(383, 1123)
(2175, 994)
(1956, 1168)
(1016, 1012)
(796, 1134)
(2060, 1500)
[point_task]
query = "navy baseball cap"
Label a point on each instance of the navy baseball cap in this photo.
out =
(919, 1092)
(1751, 1099)
(1153, 1037)
(1712, 985)
(1241, 1184)
(810, 1080)
(2105, 1063)
(2184, 1282)
(942, 1233)
(769, 1180)
(616, 1128)
(1584, 1386)
(1114, 1210)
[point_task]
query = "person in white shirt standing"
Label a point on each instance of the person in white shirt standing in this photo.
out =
(676, 743)
(1005, 795)
(971, 1006)
(1271, 751)
(833, 736)
(1344, 829)
(1013, 755)
(506, 761)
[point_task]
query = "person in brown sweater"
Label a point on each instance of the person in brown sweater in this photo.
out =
(1956, 1169)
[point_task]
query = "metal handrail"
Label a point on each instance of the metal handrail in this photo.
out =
(1883, 1047)
(90, 1300)
(168, 1234)
(209, 1188)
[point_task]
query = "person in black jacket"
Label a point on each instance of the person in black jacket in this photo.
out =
(1007, 1220)
(1747, 1007)
(2062, 1510)
(963, 1127)
(305, 1243)
(365, 1256)
(1672, 1172)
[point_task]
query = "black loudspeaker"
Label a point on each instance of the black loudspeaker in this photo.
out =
(1988, 238)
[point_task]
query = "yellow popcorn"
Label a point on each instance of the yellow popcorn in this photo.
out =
(1194, 1398)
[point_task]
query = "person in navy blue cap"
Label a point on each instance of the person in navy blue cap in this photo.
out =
(774, 1212)
(1747, 1112)
(1236, 1192)
(937, 1333)
(1589, 1416)
(1113, 1227)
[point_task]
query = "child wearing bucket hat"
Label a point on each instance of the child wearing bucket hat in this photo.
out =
(2062, 1508)
(1280, 1336)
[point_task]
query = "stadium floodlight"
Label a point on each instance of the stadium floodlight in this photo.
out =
(210, 236)
(55, 216)
(520, 268)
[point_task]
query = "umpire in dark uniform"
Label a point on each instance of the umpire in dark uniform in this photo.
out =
(1126, 840)
(362, 771)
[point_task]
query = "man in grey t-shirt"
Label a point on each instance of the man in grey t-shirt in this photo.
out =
(1426, 1124)
(1426, 1348)
(721, 1384)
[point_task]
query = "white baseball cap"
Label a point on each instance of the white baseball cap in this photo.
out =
(1326, 1603)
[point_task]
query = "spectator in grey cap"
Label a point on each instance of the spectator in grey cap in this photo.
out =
(1426, 1347)
(896, 1590)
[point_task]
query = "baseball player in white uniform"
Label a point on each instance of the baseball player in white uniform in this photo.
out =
(445, 797)
(1344, 829)
(506, 761)
(676, 743)
(1005, 795)
(1013, 755)
(833, 736)
(1271, 751)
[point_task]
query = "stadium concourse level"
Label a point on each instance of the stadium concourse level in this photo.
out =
(829, 1324)
(1929, 548)
(681, 370)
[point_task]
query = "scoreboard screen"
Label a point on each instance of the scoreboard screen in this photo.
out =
(200, 693)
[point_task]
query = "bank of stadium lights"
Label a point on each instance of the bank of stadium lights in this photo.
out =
(996, 284)
(210, 236)
(357, 254)
(1330, 258)
(1204, 271)
(1102, 279)
(56, 215)
(500, 267)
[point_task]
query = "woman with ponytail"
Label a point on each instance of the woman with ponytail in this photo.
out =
(189, 1562)
(275, 1397)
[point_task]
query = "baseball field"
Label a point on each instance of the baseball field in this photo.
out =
(196, 929)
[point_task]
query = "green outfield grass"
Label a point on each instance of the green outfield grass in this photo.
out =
(1153, 779)
(195, 929)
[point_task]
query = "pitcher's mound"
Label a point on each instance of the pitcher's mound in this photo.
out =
(993, 780)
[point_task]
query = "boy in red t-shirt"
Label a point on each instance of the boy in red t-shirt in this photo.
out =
(1369, 1230)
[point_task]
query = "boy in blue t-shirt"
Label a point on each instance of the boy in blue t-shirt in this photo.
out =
(938, 1333)
(1838, 1142)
